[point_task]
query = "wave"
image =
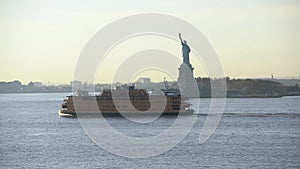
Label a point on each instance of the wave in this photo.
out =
(250, 114)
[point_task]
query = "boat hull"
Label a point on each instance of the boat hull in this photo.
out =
(117, 114)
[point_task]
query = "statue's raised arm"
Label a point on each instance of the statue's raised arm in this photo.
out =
(180, 38)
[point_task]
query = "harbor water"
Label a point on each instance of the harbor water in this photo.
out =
(252, 133)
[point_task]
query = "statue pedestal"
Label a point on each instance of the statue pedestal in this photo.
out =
(186, 81)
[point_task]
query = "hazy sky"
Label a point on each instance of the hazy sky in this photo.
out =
(42, 40)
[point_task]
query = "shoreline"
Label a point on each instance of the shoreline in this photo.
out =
(227, 96)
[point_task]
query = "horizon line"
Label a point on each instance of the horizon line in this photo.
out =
(68, 83)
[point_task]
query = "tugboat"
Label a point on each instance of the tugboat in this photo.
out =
(131, 101)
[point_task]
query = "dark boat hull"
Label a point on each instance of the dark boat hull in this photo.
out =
(117, 114)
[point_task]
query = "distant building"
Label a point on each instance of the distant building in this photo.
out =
(76, 85)
(35, 84)
(76, 82)
(13, 86)
(143, 82)
(15, 83)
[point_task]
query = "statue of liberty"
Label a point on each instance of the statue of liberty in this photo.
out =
(185, 51)
(186, 77)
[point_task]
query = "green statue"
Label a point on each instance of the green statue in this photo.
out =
(185, 51)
